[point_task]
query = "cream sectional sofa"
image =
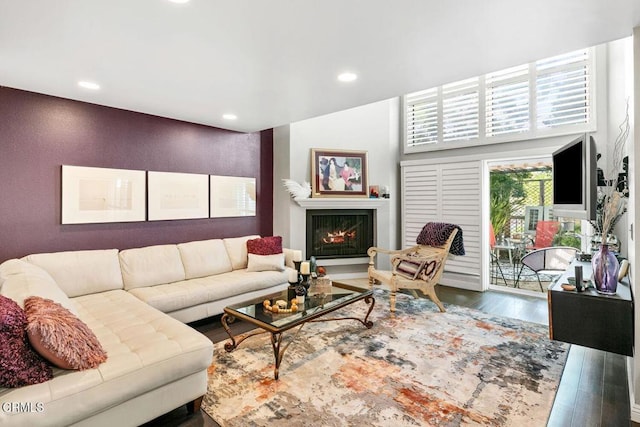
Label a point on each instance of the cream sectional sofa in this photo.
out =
(137, 302)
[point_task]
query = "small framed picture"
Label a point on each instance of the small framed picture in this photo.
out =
(338, 173)
(374, 191)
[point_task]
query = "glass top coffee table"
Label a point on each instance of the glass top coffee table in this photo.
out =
(314, 309)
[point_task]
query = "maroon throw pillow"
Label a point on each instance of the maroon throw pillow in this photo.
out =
(60, 337)
(19, 364)
(265, 245)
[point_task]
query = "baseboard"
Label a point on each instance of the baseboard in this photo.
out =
(635, 408)
(461, 281)
(340, 276)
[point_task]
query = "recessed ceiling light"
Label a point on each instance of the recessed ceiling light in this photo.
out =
(89, 85)
(229, 116)
(347, 77)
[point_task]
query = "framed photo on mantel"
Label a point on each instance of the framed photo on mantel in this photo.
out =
(338, 173)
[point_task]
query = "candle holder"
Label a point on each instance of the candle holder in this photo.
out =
(297, 265)
(301, 292)
(291, 290)
(305, 280)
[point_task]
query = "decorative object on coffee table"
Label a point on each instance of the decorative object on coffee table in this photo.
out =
(301, 292)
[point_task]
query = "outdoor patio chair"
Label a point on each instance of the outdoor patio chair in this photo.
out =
(553, 260)
(416, 268)
(494, 254)
(545, 232)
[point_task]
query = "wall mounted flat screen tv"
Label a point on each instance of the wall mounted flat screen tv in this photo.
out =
(575, 179)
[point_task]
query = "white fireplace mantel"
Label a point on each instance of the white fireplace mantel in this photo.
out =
(342, 203)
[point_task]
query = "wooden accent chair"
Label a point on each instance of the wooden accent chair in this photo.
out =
(429, 264)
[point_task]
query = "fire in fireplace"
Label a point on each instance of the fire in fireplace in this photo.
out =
(339, 233)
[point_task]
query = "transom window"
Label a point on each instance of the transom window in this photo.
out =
(550, 96)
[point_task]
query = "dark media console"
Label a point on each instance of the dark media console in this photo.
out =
(590, 319)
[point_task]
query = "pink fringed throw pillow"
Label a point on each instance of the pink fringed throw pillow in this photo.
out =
(19, 364)
(60, 337)
(265, 245)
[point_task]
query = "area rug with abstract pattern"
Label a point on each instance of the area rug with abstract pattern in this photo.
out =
(417, 367)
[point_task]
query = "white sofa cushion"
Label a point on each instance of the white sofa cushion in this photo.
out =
(265, 262)
(21, 280)
(147, 350)
(237, 250)
(150, 266)
(188, 293)
(204, 258)
(81, 272)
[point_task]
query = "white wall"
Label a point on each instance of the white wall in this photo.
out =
(634, 217)
(619, 89)
(373, 128)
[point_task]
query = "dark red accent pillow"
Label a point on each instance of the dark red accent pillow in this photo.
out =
(265, 245)
(19, 364)
(60, 337)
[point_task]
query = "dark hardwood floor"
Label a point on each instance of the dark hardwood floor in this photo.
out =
(593, 390)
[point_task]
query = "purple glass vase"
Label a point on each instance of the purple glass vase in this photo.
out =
(605, 271)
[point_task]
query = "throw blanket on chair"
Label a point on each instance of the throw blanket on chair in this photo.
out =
(437, 233)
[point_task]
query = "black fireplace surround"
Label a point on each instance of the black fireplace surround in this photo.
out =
(339, 233)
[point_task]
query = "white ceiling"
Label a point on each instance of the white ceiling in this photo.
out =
(275, 62)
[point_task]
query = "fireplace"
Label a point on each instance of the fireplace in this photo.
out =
(339, 233)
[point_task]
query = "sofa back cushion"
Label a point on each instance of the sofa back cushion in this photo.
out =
(81, 272)
(21, 280)
(237, 250)
(204, 258)
(150, 266)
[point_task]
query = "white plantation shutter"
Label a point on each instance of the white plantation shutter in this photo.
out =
(552, 96)
(563, 90)
(421, 116)
(460, 114)
(507, 101)
(449, 192)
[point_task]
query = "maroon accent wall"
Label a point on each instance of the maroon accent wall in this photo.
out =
(39, 133)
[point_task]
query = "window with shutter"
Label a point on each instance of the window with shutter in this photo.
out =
(422, 117)
(507, 101)
(562, 84)
(460, 110)
(550, 96)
